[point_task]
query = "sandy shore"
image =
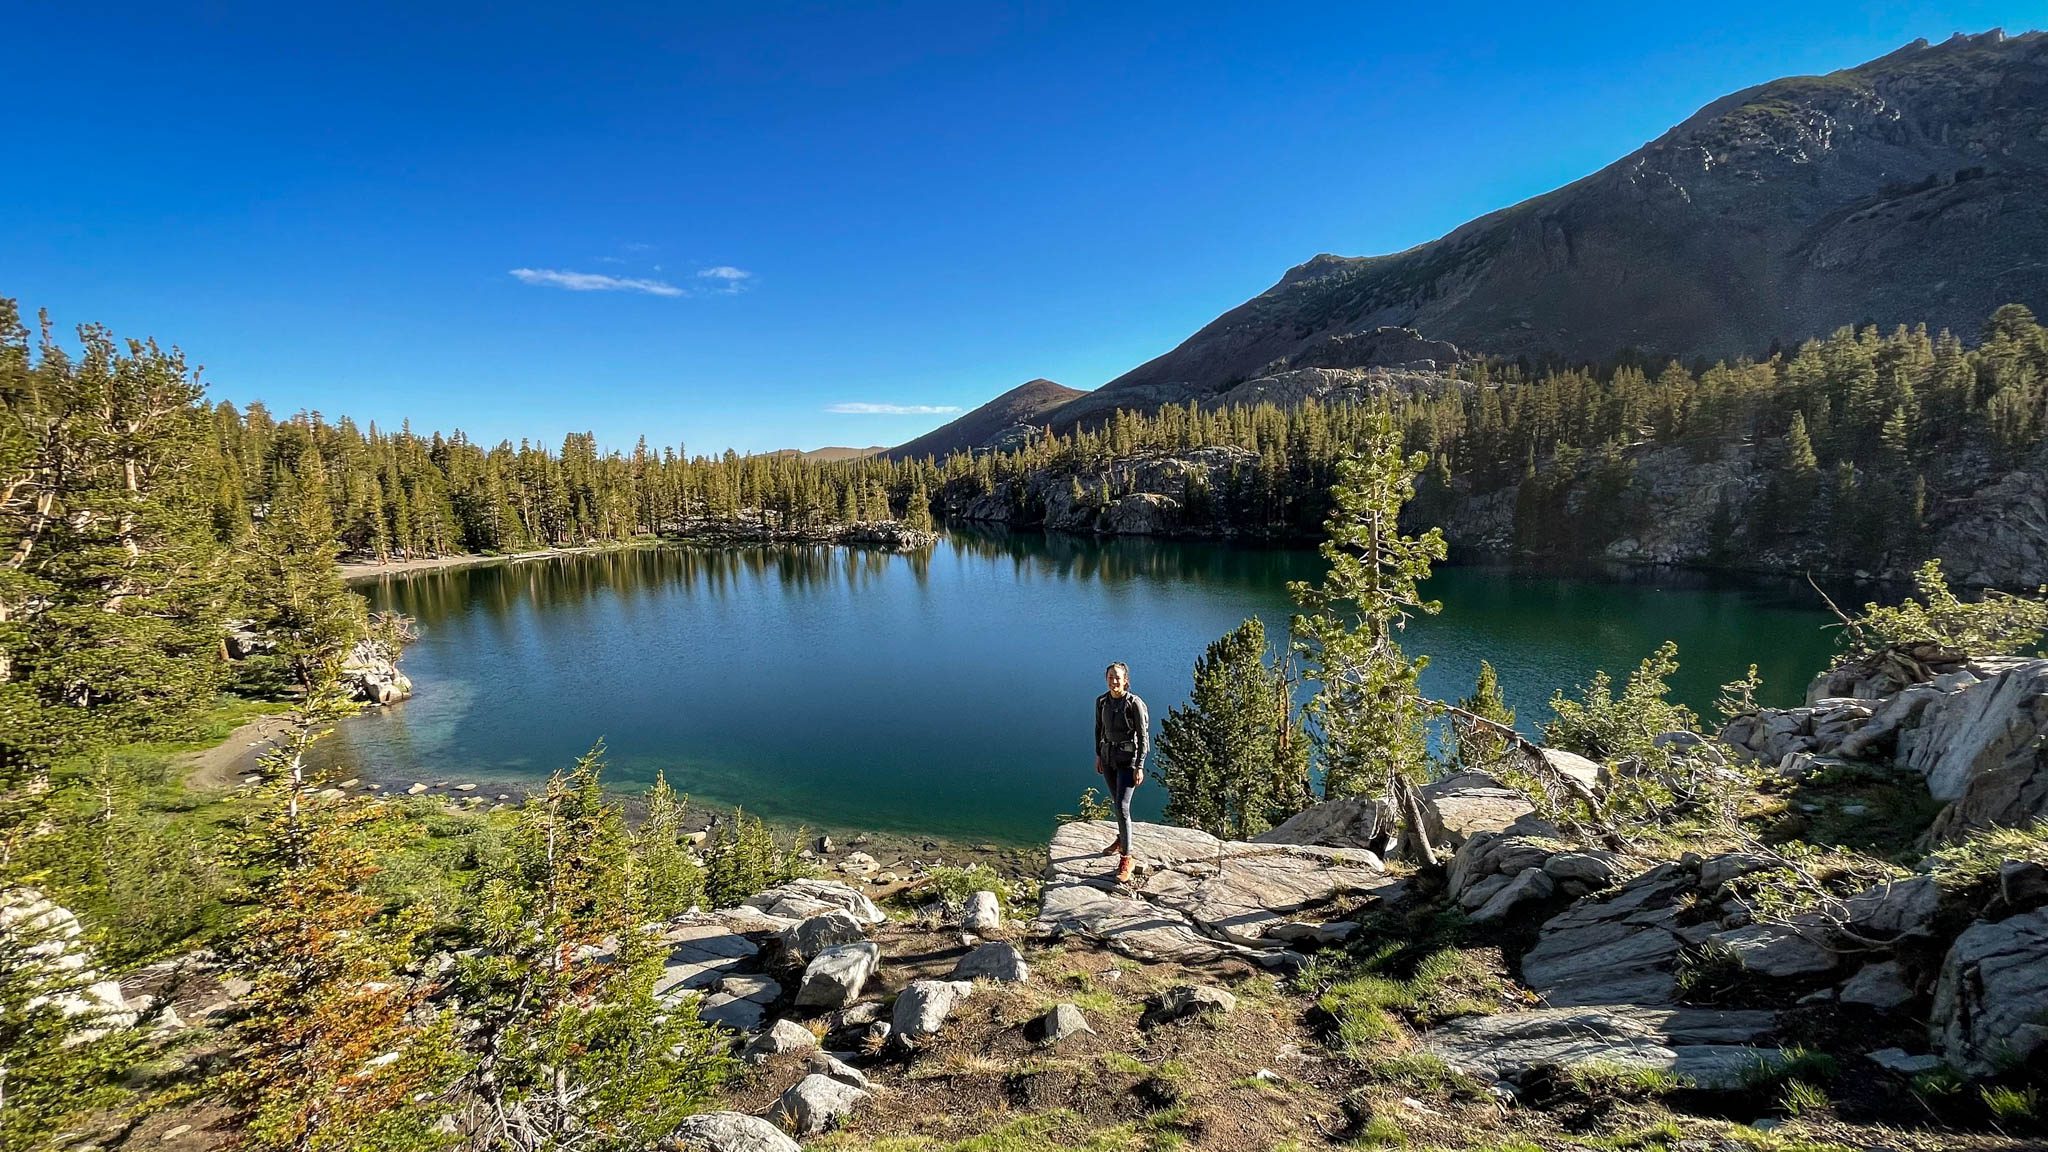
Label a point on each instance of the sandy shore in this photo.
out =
(368, 569)
(223, 765)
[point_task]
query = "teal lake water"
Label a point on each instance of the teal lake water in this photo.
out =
(948, 693)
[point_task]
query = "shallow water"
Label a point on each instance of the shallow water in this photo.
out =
(949, 693)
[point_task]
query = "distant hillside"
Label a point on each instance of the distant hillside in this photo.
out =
(828, 455)
(1913, 187)
(1025, 404)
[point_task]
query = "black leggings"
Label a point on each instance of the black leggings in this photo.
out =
(1122, 782)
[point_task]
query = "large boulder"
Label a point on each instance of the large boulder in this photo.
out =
(1984, 748)
(1991, 1000)
(923, 1007)
(727, 1132)
(1000, 962)
(825, 930)
(1460, 806)
(835, 977)
(370, 673)
(1346, 822)
(983, 914)
(815, 1103)
(700, 955)
(805, 898)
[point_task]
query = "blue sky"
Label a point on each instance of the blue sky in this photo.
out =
(736, 225)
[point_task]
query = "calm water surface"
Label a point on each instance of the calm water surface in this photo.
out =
(949, 693)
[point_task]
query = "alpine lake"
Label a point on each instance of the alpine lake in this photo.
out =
(948, 693)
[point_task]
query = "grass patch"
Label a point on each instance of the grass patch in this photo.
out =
(1059, 1131)
(1799, 1098)
(1421, 1074)
(2012, 1105)
(1380, 1132)
(1658, 1137)
(1628, 1081)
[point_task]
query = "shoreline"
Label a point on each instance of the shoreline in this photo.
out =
(370, 569)
(221, 770)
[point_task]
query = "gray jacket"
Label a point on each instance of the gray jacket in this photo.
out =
(1123, 731)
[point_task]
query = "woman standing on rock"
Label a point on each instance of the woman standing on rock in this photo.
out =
(1123, 734)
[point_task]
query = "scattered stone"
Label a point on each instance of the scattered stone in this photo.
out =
(859, 864)
(1878, 986)
(416, 789)
(824, 845)
(1900, 1061)
(1060, 1023)
(465, 787)
(823, 1063)
(1187, 1000)
(984, 913)
(827, 930)
(815, 1103)
(836, 976)
(923, 1006)
(728, 1132)
(1896, 909)
(996, 961)
(783, 1036)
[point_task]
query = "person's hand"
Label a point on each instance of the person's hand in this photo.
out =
(1098, 763)
(1138, 779)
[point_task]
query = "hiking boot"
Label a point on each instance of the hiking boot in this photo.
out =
(1124, 867)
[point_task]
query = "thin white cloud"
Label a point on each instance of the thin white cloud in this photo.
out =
(862, 409)
(593, 282)
(724, 279)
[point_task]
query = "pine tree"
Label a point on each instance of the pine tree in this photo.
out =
(1478, 748)
(571, 1047)
(337, 1047)
(1369, 717)
(1234, 759)
(671, 882)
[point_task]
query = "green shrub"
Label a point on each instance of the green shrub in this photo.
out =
(1998, 624)
(742, 857)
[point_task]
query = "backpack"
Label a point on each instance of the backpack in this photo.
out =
(1121, 732)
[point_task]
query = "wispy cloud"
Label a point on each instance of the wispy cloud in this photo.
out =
(725, 279)
(862, 409)
(593, 282)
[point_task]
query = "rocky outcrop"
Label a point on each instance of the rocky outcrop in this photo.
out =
(1991, 1004)
(59, 963)
(1975, 730)
(1705, 1049)
(1459, 806)
(1154, 494)
(799, 900)
(371, 675)
(1199, 898)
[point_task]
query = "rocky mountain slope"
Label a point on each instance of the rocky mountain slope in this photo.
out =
(1912, 188)
(832, 453)
(1026, 404)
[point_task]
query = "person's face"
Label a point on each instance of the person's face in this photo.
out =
(1118, 679)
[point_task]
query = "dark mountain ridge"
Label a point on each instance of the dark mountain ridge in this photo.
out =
(1911, 188)
(1026, 404)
